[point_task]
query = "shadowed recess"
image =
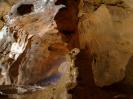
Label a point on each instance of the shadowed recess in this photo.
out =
(25, 9)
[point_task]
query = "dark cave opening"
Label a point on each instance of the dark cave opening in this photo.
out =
(25, 9)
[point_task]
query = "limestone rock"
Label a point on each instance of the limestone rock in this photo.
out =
(33, 52)
(11, 2)
(109, 41)
(102, 1)
(4, 7)
(1, 24)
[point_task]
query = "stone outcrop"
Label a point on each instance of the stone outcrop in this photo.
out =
(105, 29)
(33, 54)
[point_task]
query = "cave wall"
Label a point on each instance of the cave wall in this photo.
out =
(102, 29)
(105, 29)
(32, 46)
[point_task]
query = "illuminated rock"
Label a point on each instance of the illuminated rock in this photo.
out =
(33, 52)
(108, 35)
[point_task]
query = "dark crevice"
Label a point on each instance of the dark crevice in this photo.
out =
(66, 18)
(67, 21)
(24, 9)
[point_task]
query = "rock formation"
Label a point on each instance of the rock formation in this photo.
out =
(38, 38)
(33, 54)
(105, 29)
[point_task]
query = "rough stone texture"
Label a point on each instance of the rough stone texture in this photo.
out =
(106, 30)
(4, 9)
(11, 2)
(1, 24)
(104, 1)
(57, 90)
(33, 51)
(110, 42)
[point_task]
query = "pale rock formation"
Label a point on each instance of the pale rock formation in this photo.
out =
(107, 31)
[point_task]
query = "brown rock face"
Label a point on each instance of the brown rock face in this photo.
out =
(33, 51)
(38, 38)
(105, 30)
